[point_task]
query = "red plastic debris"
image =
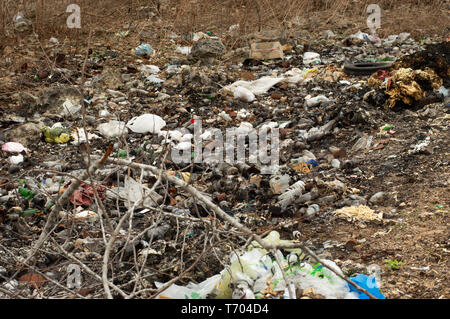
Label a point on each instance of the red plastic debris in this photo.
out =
(85, 196)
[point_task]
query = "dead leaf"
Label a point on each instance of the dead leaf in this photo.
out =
(33, 278)
(247, 76)
(85, 196)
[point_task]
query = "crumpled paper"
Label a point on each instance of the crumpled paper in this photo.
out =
(360, 213)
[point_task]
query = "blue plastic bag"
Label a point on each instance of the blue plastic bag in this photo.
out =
(144, 49)
(312, 162)
(367, 282)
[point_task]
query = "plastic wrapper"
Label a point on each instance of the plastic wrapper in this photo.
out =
(13, 147)
(191, 291)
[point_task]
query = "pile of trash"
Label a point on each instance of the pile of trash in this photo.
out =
(256, 274)
(415, 77)
(150, 104)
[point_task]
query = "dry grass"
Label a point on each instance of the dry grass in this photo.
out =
(420, 17)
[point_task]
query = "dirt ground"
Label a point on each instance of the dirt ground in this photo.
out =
(416, 231)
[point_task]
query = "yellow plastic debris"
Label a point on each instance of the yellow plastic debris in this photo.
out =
(185, 176)
(314, 70)
(58, 135)
(406, 85)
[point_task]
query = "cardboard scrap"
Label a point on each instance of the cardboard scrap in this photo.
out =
(266, 50)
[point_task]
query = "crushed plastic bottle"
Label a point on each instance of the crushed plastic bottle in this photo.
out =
(312, 210)
(154, 79)
(255, 274)
(363, 143)
(70, 108)
(291, 194)
(149, 69)
(186, 50)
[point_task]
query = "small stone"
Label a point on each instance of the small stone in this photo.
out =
(339, 153)
(207, 48)
(377, 198)
(276, 96)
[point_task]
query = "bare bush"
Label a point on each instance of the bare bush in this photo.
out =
(186, 16)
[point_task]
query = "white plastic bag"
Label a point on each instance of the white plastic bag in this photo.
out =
(257, 87)
(311, 58)
(112, 128)
(314, 101)
(146, 123)
(191, 291)
(149, 69)
(243, 94)
(13, 147)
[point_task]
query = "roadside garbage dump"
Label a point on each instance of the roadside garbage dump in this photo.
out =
(149, 159)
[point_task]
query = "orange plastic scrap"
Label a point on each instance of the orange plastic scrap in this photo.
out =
(302, 167)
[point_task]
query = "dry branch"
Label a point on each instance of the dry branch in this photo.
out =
(216, 209)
